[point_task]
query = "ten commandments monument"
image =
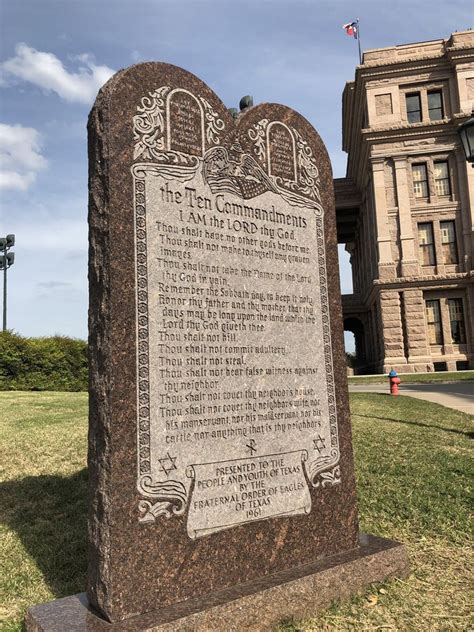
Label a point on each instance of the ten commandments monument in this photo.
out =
(222, 491)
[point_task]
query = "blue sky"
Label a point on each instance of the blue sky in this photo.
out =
(55, 54)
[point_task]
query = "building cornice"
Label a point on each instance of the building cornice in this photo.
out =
(446, 137)
(396, 67)
(432, 282)
(412, 127)
(446, 141)
(461, 42)
(423, 281)
(413, 65)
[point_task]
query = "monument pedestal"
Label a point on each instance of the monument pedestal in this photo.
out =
(295, 593)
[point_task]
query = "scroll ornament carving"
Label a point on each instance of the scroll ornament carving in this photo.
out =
(333, 477)
(214, 124)
(258, 136)
(320, 468)
(170, 497)
(308, 171)
(149, 125)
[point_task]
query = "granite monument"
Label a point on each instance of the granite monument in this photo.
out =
(222, 489)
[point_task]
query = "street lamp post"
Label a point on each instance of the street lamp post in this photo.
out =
(466, 133)
(7, 259)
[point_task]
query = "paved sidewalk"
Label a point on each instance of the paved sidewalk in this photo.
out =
(458, 395)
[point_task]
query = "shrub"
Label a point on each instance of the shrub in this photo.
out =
(57, 363)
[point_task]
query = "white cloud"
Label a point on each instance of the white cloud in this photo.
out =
(46, 71)
(20, 156)
(16, 181)
(67, 235)
(57, 222)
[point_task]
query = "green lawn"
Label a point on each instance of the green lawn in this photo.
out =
(413, 464)
(418, 378)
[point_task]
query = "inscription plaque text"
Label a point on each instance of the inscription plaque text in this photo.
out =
(236, 402)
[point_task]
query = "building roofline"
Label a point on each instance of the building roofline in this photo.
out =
(379, 56)
(424, 42)
(408, 45)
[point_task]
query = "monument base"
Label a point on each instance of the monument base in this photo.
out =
(259, 605)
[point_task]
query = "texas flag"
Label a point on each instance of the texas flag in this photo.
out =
(351, 29)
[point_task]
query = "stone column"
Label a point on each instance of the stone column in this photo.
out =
(465, 174)
(438, 246)
(409, 263)
(379, 333)
(448, 348)
(424, 106)
(374, 342)
(386, 265)
(415, 327)
(469, 309)
(392, 331)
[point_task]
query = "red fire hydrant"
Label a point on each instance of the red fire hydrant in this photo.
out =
(394, 382)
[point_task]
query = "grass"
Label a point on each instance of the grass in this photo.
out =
(43, 442)
(413, 464)
(414, 470)
(415, 378)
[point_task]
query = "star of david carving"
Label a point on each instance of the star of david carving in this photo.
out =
(167, 464)
(319, 444)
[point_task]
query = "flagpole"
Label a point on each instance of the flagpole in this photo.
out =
(358, 40)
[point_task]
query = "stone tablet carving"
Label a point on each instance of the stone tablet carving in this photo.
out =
(281, 152)
(220, 443)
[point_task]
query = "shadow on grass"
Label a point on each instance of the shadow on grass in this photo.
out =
(49, 514)
(421, 424)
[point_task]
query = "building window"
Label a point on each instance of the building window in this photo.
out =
(413, 102)
(435, 105)
(420, 180)
(441, 175)
(426, 244)
(448, 242)
(433, 318)
(456, 317)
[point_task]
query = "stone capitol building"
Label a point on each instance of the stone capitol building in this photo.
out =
(405, 210)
